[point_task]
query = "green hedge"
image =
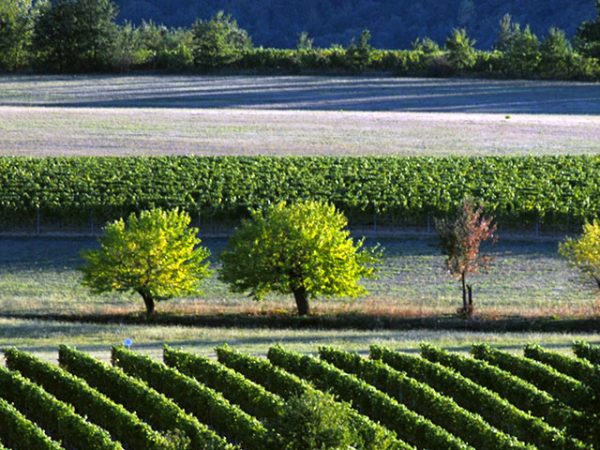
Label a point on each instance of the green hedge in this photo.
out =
(206, 404)
(517, 391)
(239, 390)
(577, 368)
(410, 426)
(514, 188)
(424, 400)
(153, 407)
(20, 433)
(585, 350)
(373, 436)
(58, 419)
(564, 388)
(470, 395)
(123, 426)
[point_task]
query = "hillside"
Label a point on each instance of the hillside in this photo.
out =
(394, 23)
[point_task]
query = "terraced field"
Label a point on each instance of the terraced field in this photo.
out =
(392, 400)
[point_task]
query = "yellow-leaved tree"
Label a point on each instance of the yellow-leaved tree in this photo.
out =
(584, 251)
(154, 253)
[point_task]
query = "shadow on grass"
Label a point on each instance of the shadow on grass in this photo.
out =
(338, 321)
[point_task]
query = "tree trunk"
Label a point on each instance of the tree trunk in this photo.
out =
(470, 301)
(464, 292)
(148, 301)
(302, 301)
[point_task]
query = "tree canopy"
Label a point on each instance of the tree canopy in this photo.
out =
(154, 253)
(584, 252)
(302, 249)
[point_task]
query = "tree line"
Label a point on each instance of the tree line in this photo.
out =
(82, 36)
(302, 248)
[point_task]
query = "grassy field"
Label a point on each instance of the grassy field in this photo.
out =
(39, 276)
(157, 115)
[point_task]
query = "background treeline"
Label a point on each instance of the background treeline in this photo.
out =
(83, 36)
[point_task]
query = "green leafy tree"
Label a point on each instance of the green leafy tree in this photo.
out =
(587, 38)
(359, 52)
(305, 42)
(315, 421)
(302, 249)
(219, 41)
(75, 35)
(426, 45)
(154, 253)
(461, 51)
(16, 28)
(520, 49)
(584, 252)
(557, 55)
(460, 240)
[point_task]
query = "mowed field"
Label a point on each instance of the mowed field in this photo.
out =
(175, 115)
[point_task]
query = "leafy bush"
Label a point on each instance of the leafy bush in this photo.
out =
(577, 368)
(368, 434)
(585, 350)
(411, 427)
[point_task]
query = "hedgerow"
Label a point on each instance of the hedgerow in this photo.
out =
(519, 189)
(410, 426)
(577, 368)
(18, 432)
(585, 350)
(423, 399)
(150, 405)
(203, 402)
(57, 418)
(473, 397)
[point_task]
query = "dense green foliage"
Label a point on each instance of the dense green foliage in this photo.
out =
(413, 427)
(423, 399)
(57, 418)
(577, 368)
(584, 251)
(585, 350)
(20, 433)
(368, 434)
(151, 406)
(566, 389)
(99, 409)
(81, 35)
(298, 401)
(519, 392)
(154, 253)
(512, 188)
(303, 248)
(210, 406)
(470, 395)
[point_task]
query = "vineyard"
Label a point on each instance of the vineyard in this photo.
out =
(518, 189)
(390, 400)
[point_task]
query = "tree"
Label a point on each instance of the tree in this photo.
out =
(461, 50)
(587, 38)
(520, 49)
(301, 249)
(75, 35)
(219, 41)
(584, 252)
(359, 52)
(154, 253)
(16, 26)
(557, 55)
(460, 241)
